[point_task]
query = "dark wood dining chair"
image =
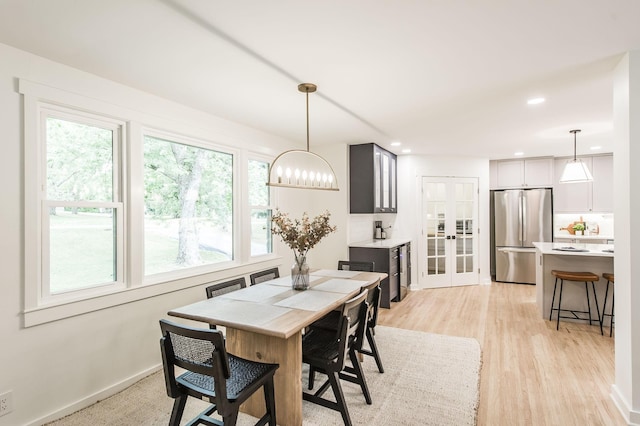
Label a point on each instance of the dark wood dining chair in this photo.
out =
(353, 265)
(212, 374)
(331, 320)
(219, 289)
(373, 301)
(326, 351)
(225, 287)
(262, 276)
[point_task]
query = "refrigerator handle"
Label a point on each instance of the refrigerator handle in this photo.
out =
(521, 215)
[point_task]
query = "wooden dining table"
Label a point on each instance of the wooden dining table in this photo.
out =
(264, 323)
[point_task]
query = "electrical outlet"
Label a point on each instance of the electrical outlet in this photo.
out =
(6, 403)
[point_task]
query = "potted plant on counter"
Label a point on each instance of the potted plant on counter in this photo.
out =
(579, 228)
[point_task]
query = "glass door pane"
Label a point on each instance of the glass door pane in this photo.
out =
(436, 229)
(449, 220)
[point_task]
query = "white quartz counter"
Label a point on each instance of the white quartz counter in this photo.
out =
(386, 243)
(585, 238)
(576, 249)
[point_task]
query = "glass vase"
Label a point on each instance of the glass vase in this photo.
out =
(300, 273)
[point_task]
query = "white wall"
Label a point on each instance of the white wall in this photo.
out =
(407, 222)
(411, 169)
(626, 124)
(55, 368)
(296, 201)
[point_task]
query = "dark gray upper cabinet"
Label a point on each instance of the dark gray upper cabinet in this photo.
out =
(372, 179)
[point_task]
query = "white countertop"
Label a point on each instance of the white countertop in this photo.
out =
(591, 249)
(567, 235)
(386, 243)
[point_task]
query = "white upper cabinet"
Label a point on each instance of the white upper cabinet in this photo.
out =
(525, 173)
(596, 196)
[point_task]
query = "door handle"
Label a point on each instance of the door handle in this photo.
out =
(451, 237)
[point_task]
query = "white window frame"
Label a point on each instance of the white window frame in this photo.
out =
(196, 270)
(130, 182)
(118, 128)
(249, 207)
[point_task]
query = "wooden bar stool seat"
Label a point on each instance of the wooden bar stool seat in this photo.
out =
(585, 277)
(610, 280)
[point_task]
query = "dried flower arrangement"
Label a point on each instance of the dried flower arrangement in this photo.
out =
(301, 234)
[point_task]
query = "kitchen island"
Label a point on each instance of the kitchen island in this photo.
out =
(596, 258)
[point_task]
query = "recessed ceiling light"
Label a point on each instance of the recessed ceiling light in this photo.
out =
(535, 101)
(396, 143)
(518, 154)
(406, 151)
(595, 148)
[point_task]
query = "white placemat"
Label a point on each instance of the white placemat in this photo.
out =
(338, 285)
(255, 293)
(310, 300)
(286, 281)
(336, 273)
(241, 312)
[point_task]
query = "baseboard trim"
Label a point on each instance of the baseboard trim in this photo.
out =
(92, 399)
(632, 417)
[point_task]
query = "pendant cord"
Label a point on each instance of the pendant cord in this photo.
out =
(575, 146)
(307, 121)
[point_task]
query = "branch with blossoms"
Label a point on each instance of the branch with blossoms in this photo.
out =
(301, 234)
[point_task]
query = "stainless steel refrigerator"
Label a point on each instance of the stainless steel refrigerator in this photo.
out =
(520, 218)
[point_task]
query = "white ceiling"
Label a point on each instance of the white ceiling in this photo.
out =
(443, 77)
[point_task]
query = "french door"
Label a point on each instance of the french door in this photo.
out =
(449, 243)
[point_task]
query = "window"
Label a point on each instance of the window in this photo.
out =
(259, 201)
(117, 210)
(82, 238)
(188, 208)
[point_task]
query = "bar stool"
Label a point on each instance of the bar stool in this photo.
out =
(577, 277)
(609, 277)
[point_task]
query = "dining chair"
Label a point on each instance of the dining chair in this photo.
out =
(331, 320)
(224, 288)
(262, 276)
(326, 351)
(353, 265)
(212, 374)
(373, 301)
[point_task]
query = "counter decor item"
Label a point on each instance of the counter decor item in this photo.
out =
(579, 228)
(569, 229)
(301, 235)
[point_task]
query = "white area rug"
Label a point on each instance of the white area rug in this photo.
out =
(429, 379)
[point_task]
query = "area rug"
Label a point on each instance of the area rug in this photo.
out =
(429, 379)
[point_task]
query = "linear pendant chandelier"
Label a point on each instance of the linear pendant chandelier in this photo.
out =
(575, 171)
(302, 169)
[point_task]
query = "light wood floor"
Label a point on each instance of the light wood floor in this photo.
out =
(531, 373)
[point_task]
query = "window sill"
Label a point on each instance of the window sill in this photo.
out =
(67, 309)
